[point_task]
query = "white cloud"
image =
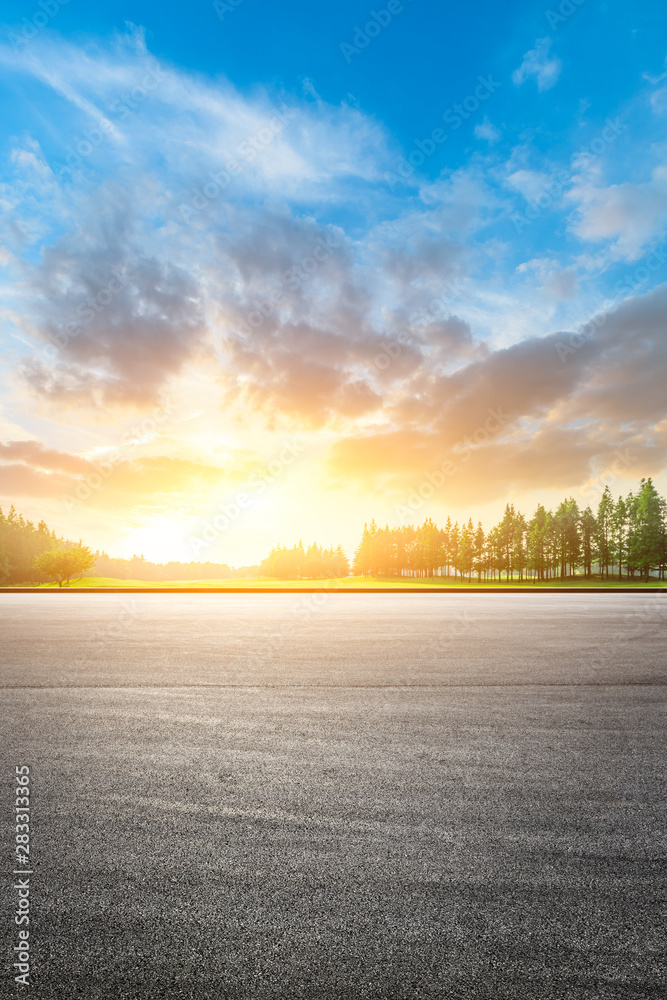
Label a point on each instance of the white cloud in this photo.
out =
(659, 100)
(658, 97)
(557, 282)
(145, 109)
(487, 131)
(529, 183)
(627, 215)
(536, 63)
(176, 288)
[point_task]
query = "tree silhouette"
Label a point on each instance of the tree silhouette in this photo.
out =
(630, 533)
(62, 564)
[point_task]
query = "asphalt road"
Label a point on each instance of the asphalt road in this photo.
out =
(387, 796)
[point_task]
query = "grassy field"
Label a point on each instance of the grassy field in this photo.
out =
(370, 583)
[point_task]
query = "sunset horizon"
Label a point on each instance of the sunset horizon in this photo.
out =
(330, 309)
(333, 498)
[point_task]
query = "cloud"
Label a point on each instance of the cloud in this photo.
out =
(18, 480)
(558, 283)
(142, 253)
(562, 284)
(485, 130)
(34, 453)
(162, 475)
(537, 63)
(529, 183)
(624, 390)
(30, 469)
(658, 96)
(461, 202)
(538, 413)
(628, 215)
(110, 325)
(251, 245)
(404, 464)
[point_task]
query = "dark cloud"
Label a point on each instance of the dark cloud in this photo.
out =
(452, 340)
(562, 406)
(405, 464)
(424, 260)
(318, 329)
(626, 384)
(112, 323)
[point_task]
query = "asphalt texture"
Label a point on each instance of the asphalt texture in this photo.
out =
(338, 796)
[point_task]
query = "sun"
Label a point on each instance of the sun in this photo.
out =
(161, 539)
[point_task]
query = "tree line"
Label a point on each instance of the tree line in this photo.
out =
(282, 563)
(32, 553)
(21, 541)
(623, 537)
(138, 568)
(313, 563)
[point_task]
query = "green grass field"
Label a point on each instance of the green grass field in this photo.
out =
(369, 583)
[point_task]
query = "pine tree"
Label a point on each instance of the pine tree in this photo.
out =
(478, 552)
(536, 544)
(604, 531)
(507, 539)
(467, 549)
(447, 544)
(588, 534)
(645, 536)
(455, 539)
(619, 533)
(363, 556)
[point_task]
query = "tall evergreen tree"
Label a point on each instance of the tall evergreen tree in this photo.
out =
(467, 549)
(537, 542)
(604, 531)
(645, 536)
(588, 536)
(478, 552)
(619, 534)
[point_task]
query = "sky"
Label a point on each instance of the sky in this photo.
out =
(268, 271)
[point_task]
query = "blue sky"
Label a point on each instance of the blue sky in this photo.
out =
(487, 187)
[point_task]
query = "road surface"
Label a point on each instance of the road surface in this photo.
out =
(339, 796)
